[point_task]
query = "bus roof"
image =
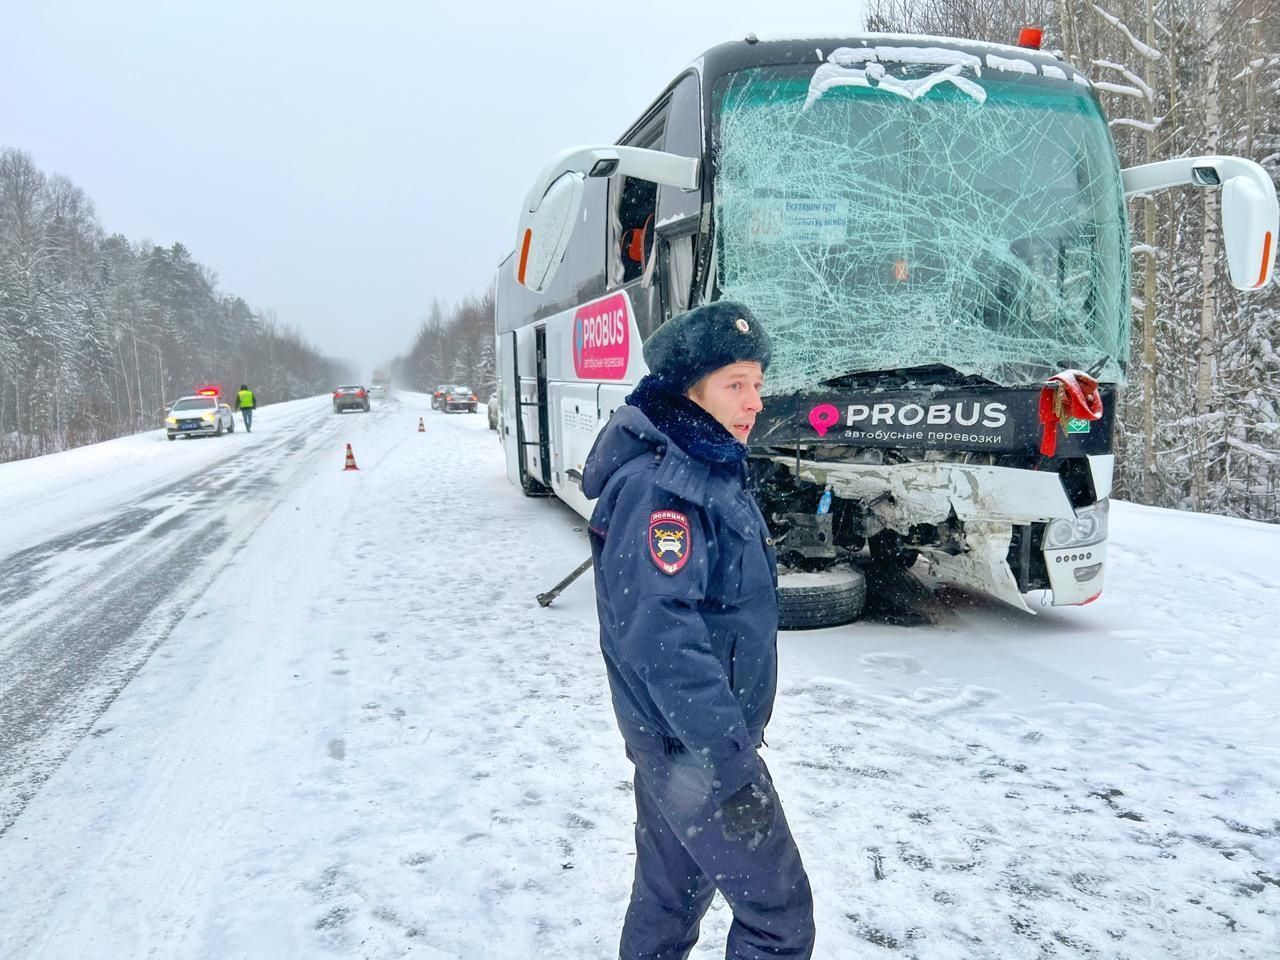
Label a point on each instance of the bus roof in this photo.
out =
(737, 54)
(742, 54)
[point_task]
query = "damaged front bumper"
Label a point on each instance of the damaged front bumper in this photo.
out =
(989, 503)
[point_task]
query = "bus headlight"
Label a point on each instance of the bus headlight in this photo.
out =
(1089, 526)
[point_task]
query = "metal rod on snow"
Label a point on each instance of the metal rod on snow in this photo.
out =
(544, 599)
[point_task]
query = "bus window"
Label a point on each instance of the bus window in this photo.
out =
(632, 205)
(635, 217)
(679, 210)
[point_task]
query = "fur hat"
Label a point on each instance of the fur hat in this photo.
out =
(686, 348)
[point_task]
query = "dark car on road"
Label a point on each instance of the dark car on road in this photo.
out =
(351, 398)
(457, 399)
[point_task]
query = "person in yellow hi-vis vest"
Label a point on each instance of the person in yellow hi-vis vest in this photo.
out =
(245, 404)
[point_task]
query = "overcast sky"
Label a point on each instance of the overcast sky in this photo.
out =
(343, 163)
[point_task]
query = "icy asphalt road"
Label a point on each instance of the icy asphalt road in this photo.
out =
(254, 706)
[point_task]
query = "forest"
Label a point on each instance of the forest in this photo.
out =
(453, 345)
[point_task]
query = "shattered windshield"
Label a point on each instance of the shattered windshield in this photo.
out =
(880, 216)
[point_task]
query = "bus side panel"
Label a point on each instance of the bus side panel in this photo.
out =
(575, 411)
(575, 424)
(571, 407)
(610, 398)
(571, 355)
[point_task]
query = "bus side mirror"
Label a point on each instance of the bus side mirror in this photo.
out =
(544, 233)
(1250, 213)
(552, 205)
(1248, 233)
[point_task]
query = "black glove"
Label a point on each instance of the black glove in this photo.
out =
(748, 813)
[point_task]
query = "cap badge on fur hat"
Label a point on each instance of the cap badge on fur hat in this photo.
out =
(743, 325)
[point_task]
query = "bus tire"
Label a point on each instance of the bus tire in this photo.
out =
(830, 599)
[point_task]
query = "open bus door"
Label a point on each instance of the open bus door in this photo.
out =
(533, 441)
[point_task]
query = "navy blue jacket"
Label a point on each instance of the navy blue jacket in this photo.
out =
(685, 584)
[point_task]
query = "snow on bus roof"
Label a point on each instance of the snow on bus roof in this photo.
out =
(928, 49)
(915, 40)
(839, 71)
(848, 56)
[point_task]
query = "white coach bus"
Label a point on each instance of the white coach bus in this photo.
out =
(934, 233)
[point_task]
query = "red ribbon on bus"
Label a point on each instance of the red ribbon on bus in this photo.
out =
(1071, 394)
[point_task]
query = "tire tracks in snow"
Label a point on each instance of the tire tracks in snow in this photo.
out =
(87, 609)
(59, 680)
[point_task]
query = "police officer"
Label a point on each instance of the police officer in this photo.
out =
(245, 403)
(685, 588)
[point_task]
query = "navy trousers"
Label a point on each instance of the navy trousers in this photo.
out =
(683, 857)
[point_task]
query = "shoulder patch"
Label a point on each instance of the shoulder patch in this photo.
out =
(669, 540)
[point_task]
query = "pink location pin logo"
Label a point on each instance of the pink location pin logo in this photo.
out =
(823, 417)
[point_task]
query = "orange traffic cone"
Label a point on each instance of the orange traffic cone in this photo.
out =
(351, 460)
(422, 427)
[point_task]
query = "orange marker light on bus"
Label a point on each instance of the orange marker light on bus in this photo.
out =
(1266, 258)
(524, 255)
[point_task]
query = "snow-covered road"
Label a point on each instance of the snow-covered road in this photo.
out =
(253, 705)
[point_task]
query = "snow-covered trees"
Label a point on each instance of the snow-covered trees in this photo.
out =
(452, 346)
(1198, 428)
(97, 333)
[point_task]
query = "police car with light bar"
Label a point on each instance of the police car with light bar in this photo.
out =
(201, 414)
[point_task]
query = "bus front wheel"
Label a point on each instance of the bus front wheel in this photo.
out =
(828, 598)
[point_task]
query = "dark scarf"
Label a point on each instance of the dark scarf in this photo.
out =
(685, 423)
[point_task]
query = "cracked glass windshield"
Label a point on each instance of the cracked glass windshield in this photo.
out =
(880, 216)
